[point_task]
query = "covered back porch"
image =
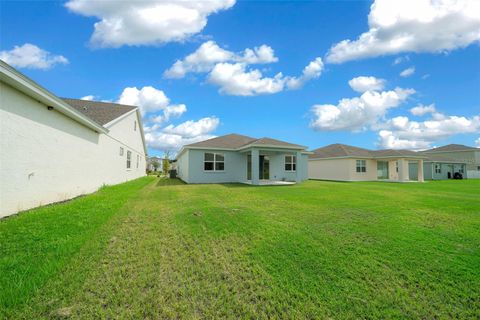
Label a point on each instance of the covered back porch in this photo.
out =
(397, 169)
(274, 166)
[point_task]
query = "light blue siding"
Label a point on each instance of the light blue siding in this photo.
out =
(277, 168)
(235, 167)
(430, 174)
(190, 166)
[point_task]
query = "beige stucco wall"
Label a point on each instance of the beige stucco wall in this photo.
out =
(340, 169)
(369, 175)
(329, 169)
(46, 157)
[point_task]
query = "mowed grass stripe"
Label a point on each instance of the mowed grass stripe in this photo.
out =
(36, 245)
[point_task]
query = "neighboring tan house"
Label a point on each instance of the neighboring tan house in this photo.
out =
(347, 163)
(459, 153)
(237, 158)
(54, 149)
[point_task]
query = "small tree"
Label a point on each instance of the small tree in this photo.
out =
(155, 165)
(166, 162)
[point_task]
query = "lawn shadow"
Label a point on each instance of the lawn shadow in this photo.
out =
(164, 182)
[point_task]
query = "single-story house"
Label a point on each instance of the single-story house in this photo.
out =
(470, 156)
(54, 149)
(342, 162)
(237, 158)
(436, 167)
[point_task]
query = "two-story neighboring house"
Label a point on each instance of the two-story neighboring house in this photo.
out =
(470, 156)
(54, 149)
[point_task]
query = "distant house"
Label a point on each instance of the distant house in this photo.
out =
(436, 167)
(151, 161)
(458, 153)
(238, 158)
(348, 163)
(54, 149)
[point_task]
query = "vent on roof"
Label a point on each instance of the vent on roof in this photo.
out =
(85, 108)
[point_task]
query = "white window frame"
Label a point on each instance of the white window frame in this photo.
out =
(292, 161)
(121, 151)
(438, 168)
(138, 160)
(359, 164)
(129, 159)
(214, 161)
(135, 125)
(396, 166)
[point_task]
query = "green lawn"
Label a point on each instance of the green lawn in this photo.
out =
(155, 248)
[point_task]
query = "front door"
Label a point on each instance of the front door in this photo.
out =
(264, 172)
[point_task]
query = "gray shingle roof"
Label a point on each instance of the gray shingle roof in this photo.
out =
(274, 142)
(394, 153)
(438, 158)
(338, 150)
(229, 141)
(236, 141)
(100, 112)
(452, 147)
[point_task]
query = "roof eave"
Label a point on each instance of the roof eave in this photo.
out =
(26, 85)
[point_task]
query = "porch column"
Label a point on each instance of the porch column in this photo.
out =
(298, 177)
(255, 166)
(420, 171)
(402, 170)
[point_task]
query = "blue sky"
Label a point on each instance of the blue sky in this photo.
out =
(104, 63)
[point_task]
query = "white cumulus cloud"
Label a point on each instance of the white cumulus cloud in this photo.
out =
(152, 22)
(158, 111)
(421, 109)
(362, 84)
(148, 99)
(88, 98)
(190, 129)
(32, 57)
(174, 137)
(407, 72)
(402, 133)
(231, 72)
(312, 71)
(209, 54)
(412, 26)
(354, 114)
(236, 79)
(477, 142)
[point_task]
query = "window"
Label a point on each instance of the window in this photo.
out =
(121, 151)
(129, 159)
(134, 125)
(396, 166)
(213, 162)
(361, 166)
(290, 163)
(461, 169)
(438, 168)
(138, 160)
(478, 168)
